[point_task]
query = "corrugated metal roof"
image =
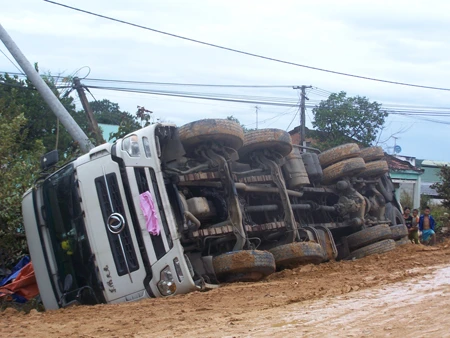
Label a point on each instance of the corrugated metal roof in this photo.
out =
(396, 164)
(425, 189)
(432, 163)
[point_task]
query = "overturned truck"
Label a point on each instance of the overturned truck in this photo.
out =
(169, 210)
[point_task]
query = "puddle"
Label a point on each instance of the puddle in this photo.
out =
(345, 315)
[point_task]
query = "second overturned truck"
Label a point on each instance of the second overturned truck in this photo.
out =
(170, 210)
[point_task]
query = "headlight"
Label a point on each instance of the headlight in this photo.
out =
(131, 146)
(167, 285)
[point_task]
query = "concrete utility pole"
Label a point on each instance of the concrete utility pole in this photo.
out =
(53, 102)
(256, 111)
(93, 125)
(302, 130)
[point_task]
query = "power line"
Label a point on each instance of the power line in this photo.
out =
(191, 84)
(172, 83)
(6, 56)
(246, 53)
(393, 109)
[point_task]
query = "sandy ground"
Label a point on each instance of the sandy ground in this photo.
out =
(403, 293)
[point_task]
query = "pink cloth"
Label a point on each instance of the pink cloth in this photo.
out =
(151, 218)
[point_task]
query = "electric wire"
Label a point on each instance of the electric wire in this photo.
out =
(6, 56)
(248, 53)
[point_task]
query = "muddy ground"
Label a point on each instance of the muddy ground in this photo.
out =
(403, 293)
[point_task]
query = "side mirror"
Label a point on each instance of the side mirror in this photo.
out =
(68, 282)
(49, 159)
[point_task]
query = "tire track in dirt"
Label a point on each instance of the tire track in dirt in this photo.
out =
(217, 312)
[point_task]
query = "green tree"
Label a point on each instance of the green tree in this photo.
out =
(18, 169)
(108, 112)
(443, 187)
(232, 118)
(341, 119)
(41, 123)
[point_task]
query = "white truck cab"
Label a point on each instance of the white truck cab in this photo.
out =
(85, 221)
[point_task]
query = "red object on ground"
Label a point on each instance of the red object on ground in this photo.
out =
(24, 285)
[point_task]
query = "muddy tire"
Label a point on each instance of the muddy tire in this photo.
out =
(225, 132)
(372, 154)
(271, 139)
(369, 236)
(386, 188)
(375, 248)
(402, 241)
(298, 253)
(350, 167)
(399, 231)
(375, 169)
(243, 266)
(339, 153)
(327, 246)
(394, 215)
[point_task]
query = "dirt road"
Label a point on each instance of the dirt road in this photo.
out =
(397, 294)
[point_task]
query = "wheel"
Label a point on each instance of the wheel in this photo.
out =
(339, 153)
(273, 139)
(372, 154)
(402, 241)
(399, 231)
(393, 214)
(375, 169)
(326, 243)
(386, 188)
(375, 248)
(368, 236)
(225, 132)
(243, 266)
(298, 253)
(350, 167)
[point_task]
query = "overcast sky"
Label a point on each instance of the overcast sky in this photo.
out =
(405, 41)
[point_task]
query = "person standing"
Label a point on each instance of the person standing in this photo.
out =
(413, 231)
(427, 225)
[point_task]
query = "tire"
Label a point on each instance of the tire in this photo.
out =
(227, 133)
(399, 231)
(375, 248)
(298, 253)
(386, 188)
(394, 215)
(327, 246)
(339, 153)
(402, 241)
(375, 169)
(369, 236)
(372, 154)
(274, 139)
(350, 167)
(243, 266)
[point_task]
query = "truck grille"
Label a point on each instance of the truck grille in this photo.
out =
(143, 186)
(120, 259)
(157, 241)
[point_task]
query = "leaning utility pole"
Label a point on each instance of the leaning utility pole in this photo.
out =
(302, 130)
(49, 97)
(93, 125)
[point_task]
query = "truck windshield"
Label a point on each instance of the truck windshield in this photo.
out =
(64, 220)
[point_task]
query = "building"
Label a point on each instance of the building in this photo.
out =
(431, 170)
(406, 177)
(107, 129)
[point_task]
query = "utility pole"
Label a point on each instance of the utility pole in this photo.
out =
(49, 97)
(93, 125)
(256, 111)
(302, 129)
